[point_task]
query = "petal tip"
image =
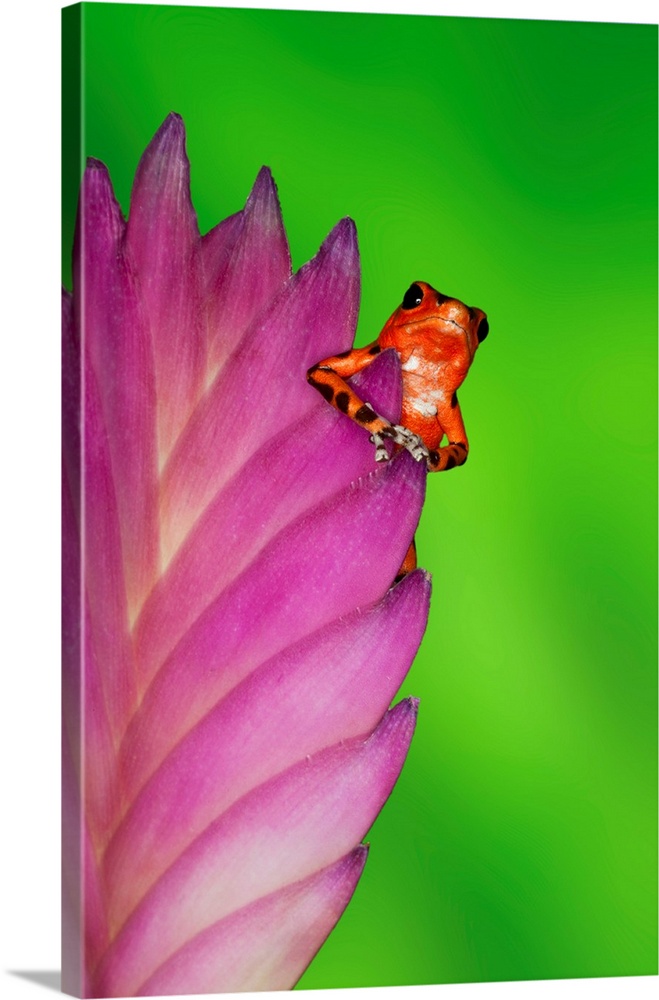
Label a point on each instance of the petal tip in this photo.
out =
(263, 198)
(382, 385)
(400, 720)
(389, 358)
(94, 166)
(419, 580)
(264, 177)
(343, 238)
(172, 129)
(406, 709)
(361, 851)
(165, 153)
(353, 863)
(96, 189)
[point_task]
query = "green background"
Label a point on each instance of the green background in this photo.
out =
(511, 164)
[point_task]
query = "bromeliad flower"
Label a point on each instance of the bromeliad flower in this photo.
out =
(232, 640)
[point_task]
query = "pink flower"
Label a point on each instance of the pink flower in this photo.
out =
(231, 638)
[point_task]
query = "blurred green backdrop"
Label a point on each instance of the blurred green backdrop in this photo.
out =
(512, 164)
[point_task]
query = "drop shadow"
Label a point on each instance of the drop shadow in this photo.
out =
(49, 979)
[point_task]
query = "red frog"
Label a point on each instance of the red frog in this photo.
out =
(436, 338)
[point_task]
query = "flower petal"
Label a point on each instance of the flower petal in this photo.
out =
(71, 623)
(88, 724)
(71, 403)
(333, 685)
(381, 385)
(256, 393)
(266, 945)
(300, 582)
(322, 453)
(80, 667)
(232, 637)
(104, 580)
(84, 924)
(162, 238)
(281, 832)
(216, 249)
(72, 916)
(113, 332)
(260, 264)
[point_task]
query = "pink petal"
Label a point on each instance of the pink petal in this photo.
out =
(104, 580)
(224, 787)
(162, 239)
(80, 673)
(381, 385)
(268, 944)
(333, 685)
(84, 926)
(88, 724)
(283, 831)
(71, 622)
(72, 916)
(216, 250)
(71, 402)
(300, 581)
(260, 264)
(102, 793)
(114, 335)
(323, 453)
(261, 389)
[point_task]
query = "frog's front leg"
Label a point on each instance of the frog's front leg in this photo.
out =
(454, 453)
(328, 377)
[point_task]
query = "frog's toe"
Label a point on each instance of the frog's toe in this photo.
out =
(381, 453)
(412, 442)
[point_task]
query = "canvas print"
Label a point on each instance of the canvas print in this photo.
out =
(330, 719)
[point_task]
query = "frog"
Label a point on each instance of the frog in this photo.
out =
(436, 338)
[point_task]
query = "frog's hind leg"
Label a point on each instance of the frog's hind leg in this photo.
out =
(409, 562)
(448, 456)
(329, 378)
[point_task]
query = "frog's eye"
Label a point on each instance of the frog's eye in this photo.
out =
(483, 330)
(413, 297)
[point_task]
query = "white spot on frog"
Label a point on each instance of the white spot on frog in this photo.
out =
(412, 364)
(424, 407)
(427, 404)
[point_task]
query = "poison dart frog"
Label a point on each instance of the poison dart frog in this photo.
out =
(436, 338)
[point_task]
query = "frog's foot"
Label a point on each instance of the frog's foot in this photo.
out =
(399, 436)
(448, 456)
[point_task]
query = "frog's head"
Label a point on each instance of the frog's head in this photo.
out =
(451, 324)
